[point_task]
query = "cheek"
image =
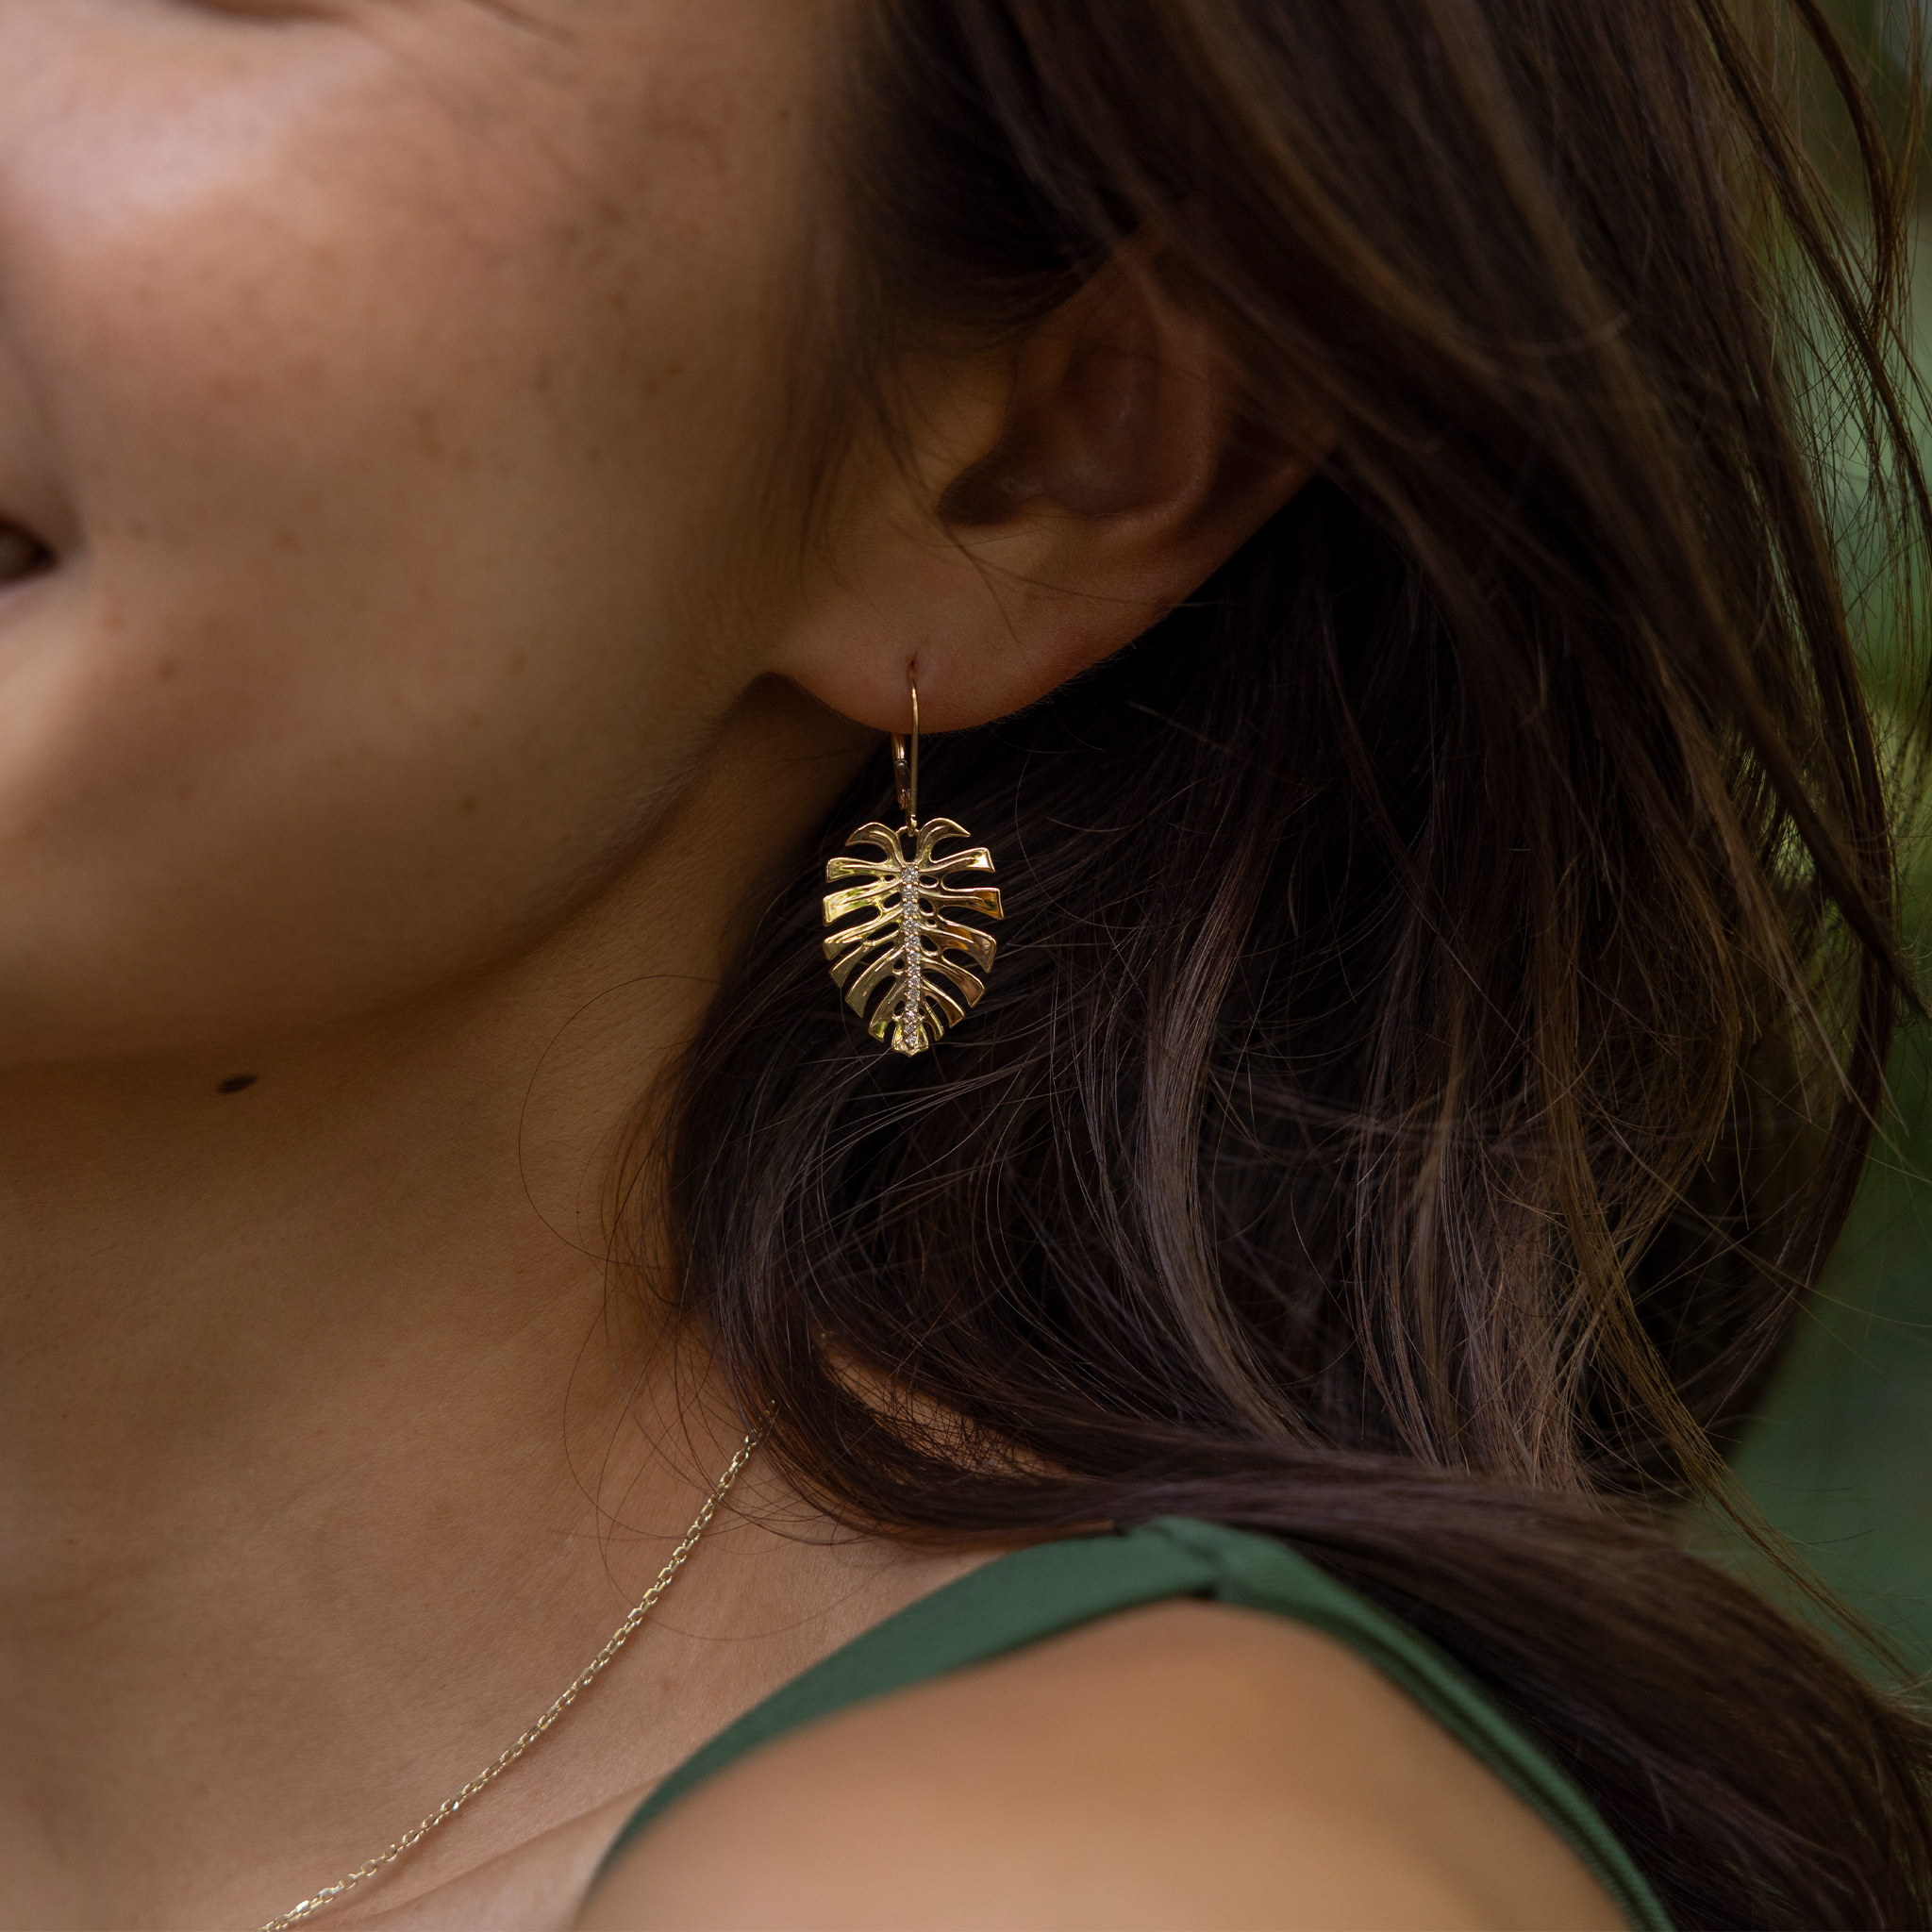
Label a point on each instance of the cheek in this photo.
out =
(395, 608)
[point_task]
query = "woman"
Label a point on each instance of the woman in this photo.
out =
(1202, 1435)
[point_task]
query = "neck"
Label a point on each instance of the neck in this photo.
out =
(311, 1428)
(203, 1292)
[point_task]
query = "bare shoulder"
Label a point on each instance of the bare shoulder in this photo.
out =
(1183, 1765)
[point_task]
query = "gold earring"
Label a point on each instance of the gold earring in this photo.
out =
(906, 950)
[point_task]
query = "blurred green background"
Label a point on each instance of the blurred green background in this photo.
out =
(1839, 1455)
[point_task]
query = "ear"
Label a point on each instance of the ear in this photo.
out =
(1063, 494)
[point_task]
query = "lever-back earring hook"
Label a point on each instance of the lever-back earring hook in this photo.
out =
(906, 763)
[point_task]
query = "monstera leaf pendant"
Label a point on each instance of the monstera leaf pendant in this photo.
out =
(904, 961)
(907, 960)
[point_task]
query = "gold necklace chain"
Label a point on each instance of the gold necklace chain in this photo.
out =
(582, 1682)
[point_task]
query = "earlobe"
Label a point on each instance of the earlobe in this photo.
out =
(1122, 469)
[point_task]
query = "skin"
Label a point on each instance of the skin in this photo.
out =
(406, 686)
(1187, 1765)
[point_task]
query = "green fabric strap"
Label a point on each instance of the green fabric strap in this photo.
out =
(1038, 1592)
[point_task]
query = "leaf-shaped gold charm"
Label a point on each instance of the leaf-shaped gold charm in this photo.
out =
(906, 950)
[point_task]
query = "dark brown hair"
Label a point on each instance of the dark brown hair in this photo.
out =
(1449, 963)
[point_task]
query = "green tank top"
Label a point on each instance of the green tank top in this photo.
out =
(1034, 1594)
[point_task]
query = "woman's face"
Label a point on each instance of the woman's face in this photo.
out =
(387, 382)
